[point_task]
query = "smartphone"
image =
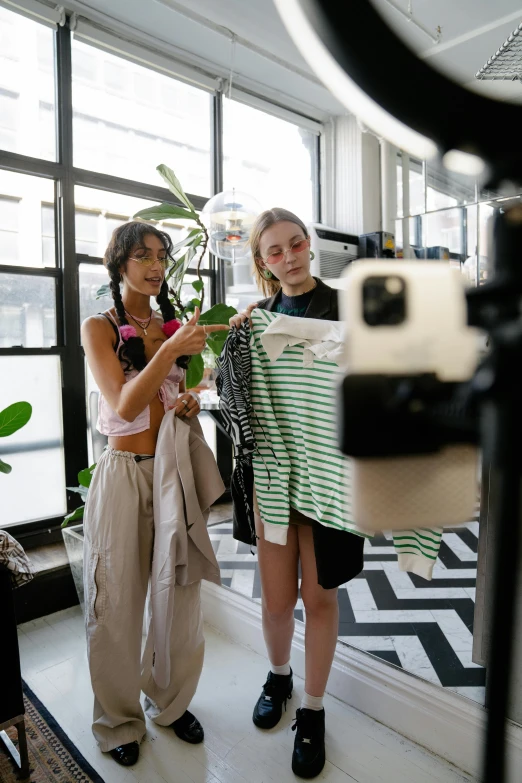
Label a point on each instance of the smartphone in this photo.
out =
(408, 319)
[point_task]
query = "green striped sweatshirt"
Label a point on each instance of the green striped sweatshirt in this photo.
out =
(297, 463)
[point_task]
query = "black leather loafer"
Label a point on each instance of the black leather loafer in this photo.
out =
(127, 754)
(189, 729)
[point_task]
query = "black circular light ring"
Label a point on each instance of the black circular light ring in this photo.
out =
(430, 103)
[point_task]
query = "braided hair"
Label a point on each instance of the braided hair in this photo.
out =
(123, 240)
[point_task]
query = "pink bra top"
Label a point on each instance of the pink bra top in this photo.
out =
(109, 423)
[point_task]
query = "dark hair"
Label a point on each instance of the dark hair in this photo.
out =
(123, 240)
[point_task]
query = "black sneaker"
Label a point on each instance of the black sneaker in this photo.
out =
(309, 757)
(276, 692)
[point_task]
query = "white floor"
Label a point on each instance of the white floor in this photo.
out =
(54, 665)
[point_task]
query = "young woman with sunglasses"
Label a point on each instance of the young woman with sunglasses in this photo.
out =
(281, 250)
(137, 359)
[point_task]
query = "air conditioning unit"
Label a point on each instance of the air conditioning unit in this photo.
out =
(333, 251)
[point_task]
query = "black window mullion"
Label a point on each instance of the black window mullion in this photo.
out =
(20, 350)
(129, 187)
(58, 292)
(30, 271)
(73, 366)
(317, 181)
(25, 164)
(218, 287)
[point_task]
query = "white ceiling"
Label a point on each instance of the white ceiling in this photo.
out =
(267, 61)
(255, 22)
(472, 31)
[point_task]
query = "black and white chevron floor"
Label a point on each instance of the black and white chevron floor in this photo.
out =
(424, 627)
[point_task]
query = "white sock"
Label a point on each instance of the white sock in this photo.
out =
(312, 702)
(284, 669)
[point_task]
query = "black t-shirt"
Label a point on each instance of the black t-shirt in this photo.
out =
(294, 305)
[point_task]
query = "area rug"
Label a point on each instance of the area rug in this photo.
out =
(52, 755)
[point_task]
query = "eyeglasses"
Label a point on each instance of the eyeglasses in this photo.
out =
(148, 261)
(299, 246)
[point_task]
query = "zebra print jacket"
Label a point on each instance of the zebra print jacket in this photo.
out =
(233, 386)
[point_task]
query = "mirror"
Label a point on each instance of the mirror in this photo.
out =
(424, 627)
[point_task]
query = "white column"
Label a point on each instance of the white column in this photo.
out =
(348, 206)
(388, 185)
(371, 182)
(351, 178)
(407, 252)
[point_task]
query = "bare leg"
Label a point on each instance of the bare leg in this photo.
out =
(322, 618)
(278, 571)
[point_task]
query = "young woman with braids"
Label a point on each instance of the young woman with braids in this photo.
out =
(137, 359)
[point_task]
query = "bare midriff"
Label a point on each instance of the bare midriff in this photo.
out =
(142, 442)
(145, 442)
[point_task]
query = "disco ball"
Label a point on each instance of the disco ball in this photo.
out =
(228, 218)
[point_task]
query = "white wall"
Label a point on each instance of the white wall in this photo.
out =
(351, 185)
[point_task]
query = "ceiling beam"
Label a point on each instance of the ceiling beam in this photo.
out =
(515, 17)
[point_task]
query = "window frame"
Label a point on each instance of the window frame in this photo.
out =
(66, 272)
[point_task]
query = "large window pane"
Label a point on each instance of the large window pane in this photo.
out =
(99, 212)
(399, 186)
(485, 228)
(445, 229)
(27, 311)
(26, 220)
(469, 268)
(399, 245)
(36, 487)
(446, 188)
(92, 277)
(417, 237)
(269, 158)
(417, 187)
(27, 102)
(128, 119)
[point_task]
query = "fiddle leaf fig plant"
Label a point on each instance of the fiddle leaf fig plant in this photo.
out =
(12, 419)
(193, 244)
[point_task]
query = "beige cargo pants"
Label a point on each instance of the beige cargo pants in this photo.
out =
(118, 546)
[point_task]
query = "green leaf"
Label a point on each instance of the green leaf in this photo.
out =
(194, 372)
(104, 290)
(219, 314)
(187, 240)
(197, 285)
(165, 212)
(74, 516)
(174, 185)
(85, 476)
(4, 467)
(14, 418)
(216, 342)
(176, 272)
(82, 491)
(191, 306)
